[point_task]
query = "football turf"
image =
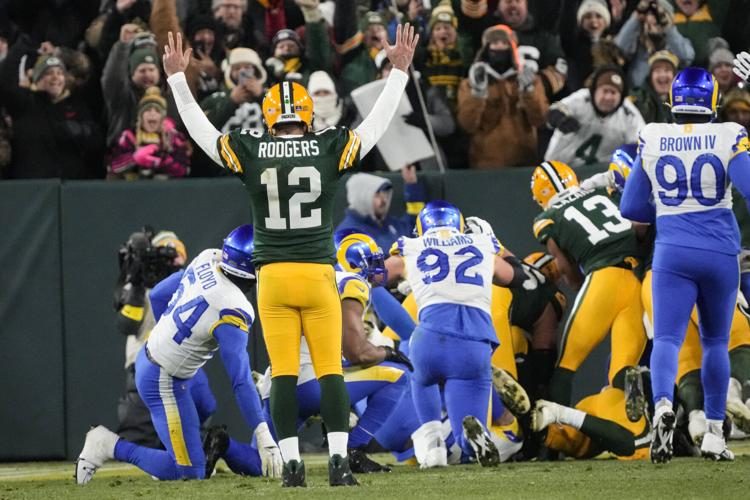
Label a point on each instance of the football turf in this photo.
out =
(602, 478)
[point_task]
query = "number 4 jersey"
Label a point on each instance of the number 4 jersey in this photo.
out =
(588, 227)
(182, 340)
(687, 166)
(450, 274)
(292, 183)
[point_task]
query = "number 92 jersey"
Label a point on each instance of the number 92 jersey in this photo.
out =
(687, 166)
(292, 183)
(445, 266)
(182, 340)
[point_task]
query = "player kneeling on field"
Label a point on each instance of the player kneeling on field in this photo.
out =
(208, 311)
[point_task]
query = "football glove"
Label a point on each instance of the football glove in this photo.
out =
(397, 357)
(600, 180)
(742, 66)
(475, 225)
(270, 455)
(562, 121)
(478, 80)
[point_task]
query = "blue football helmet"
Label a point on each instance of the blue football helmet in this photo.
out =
(358, 253)
(237, 252)
(694, 92)
(621, 162)
(439, 213)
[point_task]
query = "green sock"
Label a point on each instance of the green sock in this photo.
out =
(739, 361)
(609, 435)
(334, 403)
(284, 406)
(690, 391)
(561, 386)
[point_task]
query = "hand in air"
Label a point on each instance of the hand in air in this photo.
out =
(402, 52)
(174, 59)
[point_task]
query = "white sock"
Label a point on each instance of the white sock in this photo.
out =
(337, 443)
(572, 417)
(289, 449)
(661, 406)
(715, 427)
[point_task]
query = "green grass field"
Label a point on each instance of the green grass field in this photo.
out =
(601, 479)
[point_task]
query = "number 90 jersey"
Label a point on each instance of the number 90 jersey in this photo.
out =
(292, 183)
(687, 166)
(445, 266)
(182, 340)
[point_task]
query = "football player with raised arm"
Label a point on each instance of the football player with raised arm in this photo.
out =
(451, 274)
(201, 310)
(291, 176)
(682, 179)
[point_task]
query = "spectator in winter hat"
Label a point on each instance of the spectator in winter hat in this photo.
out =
(652, 99)
(153, 148)
(735, 107)
(720, 64)
(698, 21)
(330, 109)
(591, 122)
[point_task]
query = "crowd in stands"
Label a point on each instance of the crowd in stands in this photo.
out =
(500, 83)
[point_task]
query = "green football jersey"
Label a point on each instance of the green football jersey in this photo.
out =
(588, 227)
(291, 182)
(528, 305)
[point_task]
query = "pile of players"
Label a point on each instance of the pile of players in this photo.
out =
(449, 374)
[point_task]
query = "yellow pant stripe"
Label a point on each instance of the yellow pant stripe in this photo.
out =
(576, 305)
(174, 423)
(374, 374)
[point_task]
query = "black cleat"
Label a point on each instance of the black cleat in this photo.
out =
(635, 398)
(215, 445)
(661, 443)
(361, 463)
(293, 475)
(339, 473)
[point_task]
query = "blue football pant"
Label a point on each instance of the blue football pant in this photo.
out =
(463, 366)
(381, 386)
(684, 277)
(177, 407)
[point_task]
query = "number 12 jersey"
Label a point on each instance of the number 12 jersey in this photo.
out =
(292, 183)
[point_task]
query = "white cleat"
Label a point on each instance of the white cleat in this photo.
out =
(429, 446)
(485, 450)
(513, 395)
(98, 448)
(697, 426)
(544, 414)
(715, 448)
(661, 444)
(437, 456)
(740, 414)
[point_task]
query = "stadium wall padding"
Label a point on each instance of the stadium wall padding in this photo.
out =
(62, 361)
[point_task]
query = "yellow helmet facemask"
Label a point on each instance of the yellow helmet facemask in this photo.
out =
(549, 179)
(287, 102)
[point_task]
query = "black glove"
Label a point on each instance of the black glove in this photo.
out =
(562, 121)
(397, 357)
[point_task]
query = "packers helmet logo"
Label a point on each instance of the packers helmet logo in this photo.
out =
(287, 102)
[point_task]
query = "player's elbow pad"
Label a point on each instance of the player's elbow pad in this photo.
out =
(519, 275)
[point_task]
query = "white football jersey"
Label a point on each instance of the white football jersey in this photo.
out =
(598, 135)
(445, 266)
(687, 164)
(182, 340)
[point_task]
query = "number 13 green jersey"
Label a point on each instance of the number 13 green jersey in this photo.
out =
(292, 183)
(588, 227)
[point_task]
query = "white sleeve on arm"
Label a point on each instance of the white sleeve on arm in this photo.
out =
(200, 129)
(376, 123)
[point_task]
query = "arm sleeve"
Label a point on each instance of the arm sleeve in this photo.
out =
(233, 349)
(200, 129)
(114, 89)
(376, 123)
(680, 46)
(390, 311)
(627, 38)
(635, 203)
(162, 293)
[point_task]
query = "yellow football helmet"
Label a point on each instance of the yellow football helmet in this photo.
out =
(545, 263)
(549, 179)
(287, 102)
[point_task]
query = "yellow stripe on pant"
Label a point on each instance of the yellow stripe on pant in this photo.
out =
(374, 374)
(296, 298)
(174, 423)
(610, 300)
(503, 357)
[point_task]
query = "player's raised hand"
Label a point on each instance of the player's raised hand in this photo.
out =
(742, 66)
(402, 52)
(174, 59)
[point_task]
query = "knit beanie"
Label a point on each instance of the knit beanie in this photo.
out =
(43, 64)
(243, 55)
(663, 55)
(597, 6)
(152, 98)
(612, 78)
(371, 18)
(145, 55)
(442, 14)
(718, 52)
(286, 34)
